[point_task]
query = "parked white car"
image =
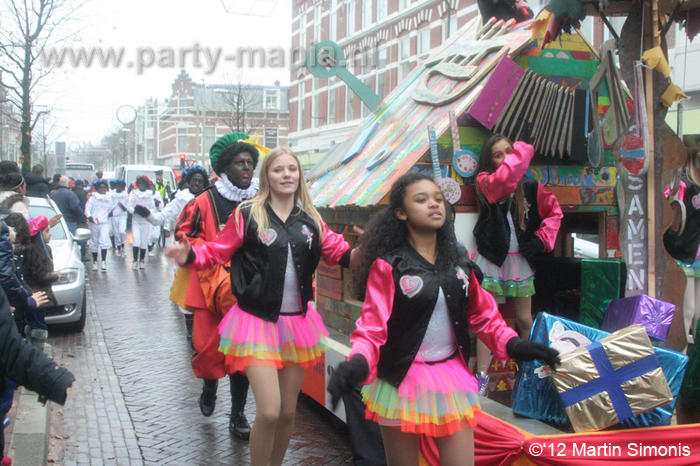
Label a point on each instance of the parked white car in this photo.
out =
(71, 310)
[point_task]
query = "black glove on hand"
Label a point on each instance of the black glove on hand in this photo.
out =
(142, 211)
(346, 377)
(526, 350)
(531, 248)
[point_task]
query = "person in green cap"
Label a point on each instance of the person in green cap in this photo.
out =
(234, 161)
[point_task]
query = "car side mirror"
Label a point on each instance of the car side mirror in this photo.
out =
(82, 234)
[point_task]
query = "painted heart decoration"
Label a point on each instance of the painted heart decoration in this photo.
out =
(411, 285)
(268, 236)
(696, 201)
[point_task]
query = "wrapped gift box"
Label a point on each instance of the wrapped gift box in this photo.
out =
(601, 282)
(652, 314)
(611, 380)
(536, 397)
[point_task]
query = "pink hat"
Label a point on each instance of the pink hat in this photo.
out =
(38, 224)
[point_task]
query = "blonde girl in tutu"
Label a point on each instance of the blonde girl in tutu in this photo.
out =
(274, 242)
(422, 296)
(518, 219)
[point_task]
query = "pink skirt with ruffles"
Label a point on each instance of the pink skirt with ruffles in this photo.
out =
(247, 340)
(433, 399)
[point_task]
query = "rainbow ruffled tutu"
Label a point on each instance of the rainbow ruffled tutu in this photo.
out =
(247, 340)
(433, 399)
(515, 279)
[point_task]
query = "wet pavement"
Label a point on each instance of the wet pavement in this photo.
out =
(135, 398)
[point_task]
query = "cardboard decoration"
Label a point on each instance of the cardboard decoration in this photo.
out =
(496, 93)
(450, 188)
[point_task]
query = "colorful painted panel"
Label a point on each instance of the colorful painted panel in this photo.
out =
(399, 138)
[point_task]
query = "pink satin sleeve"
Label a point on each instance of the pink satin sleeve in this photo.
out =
(497, 185)
(680, 194)
(551, 215)
(333, 246)
(223, 247)
(485, 320)
(371, 328)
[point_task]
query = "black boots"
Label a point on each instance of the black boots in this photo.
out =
(207, 401)
(238, 424)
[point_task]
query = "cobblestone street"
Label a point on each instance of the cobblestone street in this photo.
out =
(135, 398)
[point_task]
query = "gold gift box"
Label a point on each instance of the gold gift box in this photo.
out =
(622, 348)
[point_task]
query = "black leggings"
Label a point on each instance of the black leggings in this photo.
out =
(136, 253)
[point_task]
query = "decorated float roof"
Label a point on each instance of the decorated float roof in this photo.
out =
(360, 171)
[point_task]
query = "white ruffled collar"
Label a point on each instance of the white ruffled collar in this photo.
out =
(233, 193)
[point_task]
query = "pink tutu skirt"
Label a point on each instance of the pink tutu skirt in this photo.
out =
(247, 340)
(433, 399)
(514, 279)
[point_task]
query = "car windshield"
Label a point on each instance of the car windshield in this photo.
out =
(151, 174)
(80, 173)
(57, 232)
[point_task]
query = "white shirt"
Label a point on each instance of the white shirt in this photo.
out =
(118, 198)
(142, 198)
(172, 211)
(98, 207)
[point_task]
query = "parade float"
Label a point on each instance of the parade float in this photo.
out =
(596, 120)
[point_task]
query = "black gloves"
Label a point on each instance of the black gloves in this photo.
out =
(346, 377)
(142, 211)
(526, 350)
(531, 248)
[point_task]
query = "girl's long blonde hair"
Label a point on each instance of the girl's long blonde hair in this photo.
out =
(692, 166)
(302, 196)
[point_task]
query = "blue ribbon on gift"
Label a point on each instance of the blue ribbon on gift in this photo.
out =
(610, 380)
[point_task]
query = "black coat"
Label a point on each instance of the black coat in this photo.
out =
(69, 205)
(19, 295)
(37, 186)
(26, 364)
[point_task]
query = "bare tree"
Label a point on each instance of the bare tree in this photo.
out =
(117, 145)
(240, 106)
(28, 27)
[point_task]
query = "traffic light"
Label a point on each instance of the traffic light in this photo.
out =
(182, 161)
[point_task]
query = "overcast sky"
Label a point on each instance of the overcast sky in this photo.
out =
(85, 99)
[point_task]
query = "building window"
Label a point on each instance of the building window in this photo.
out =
(333, 26)
(452, 28)
(424, 41)
(382, 57)
(405, 4)
(331, 106)
(350, 19)
(317, 23)
(182, 139)
(272, 99)
(350, 106)
(382, 9)
(367, 9)
(271, 137)
(184, 106)
(300, 107)
(315, 117)
(209, 137)
(382, 79)
(404, 56)
(302, 30)
(364, 110)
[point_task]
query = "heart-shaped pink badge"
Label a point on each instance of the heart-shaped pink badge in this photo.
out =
(268, 236)
(411, 285)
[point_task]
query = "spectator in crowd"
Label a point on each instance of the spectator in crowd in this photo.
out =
(69, 204)
(37, 185)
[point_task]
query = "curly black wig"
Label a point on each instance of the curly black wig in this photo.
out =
(386, 232)
(201, 171)
(232, 151)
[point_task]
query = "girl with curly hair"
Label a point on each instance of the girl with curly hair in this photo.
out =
(422, 296)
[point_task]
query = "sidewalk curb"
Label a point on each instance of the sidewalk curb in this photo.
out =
(29, 441)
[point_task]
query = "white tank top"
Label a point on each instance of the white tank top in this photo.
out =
(439, 341)
(291, 299)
